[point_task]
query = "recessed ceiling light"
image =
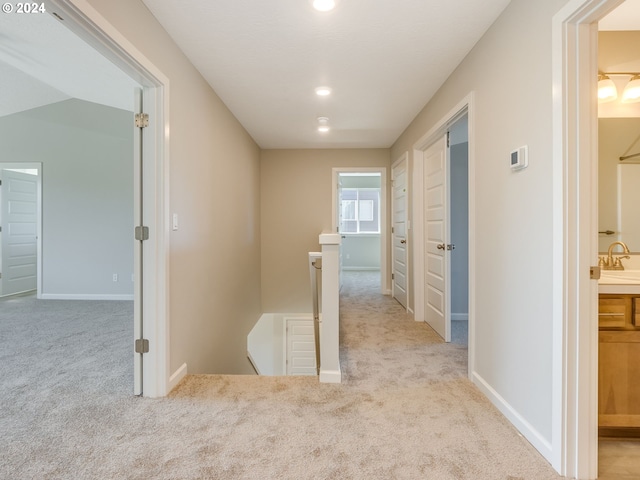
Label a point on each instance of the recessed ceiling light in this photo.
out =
(323, 124)
(323, 91)
(324, 5)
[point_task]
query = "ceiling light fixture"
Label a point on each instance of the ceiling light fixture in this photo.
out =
(323, 124)
(607, 91)
(323, 91)
(324, 5)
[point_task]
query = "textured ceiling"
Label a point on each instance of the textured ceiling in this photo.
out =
(383, 59)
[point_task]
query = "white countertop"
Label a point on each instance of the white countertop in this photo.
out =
(619, 281)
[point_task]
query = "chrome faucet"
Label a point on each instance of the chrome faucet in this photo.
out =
(611, 263)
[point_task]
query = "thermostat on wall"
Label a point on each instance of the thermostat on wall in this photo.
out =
(519, 158)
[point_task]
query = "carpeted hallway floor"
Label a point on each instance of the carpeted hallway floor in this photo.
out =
(405, 409)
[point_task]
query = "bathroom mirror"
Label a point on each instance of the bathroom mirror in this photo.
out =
(618, 182)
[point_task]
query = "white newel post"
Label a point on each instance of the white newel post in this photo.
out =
(329, 328)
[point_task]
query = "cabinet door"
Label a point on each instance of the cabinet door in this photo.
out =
(614, 312)
(619, 379)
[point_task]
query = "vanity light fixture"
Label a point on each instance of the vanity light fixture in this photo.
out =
(323, 124)
(607, 91)
(324, 5)
(631, 93)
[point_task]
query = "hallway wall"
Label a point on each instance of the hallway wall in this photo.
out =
(214, 174)
(512, 358)
(296, 199)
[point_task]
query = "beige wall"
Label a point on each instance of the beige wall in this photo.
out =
(296, 204)
(214, 187)
(509, 73)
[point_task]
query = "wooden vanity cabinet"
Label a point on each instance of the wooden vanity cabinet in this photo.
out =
(619, 362)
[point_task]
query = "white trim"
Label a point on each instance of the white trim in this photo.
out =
(465, 106)
(384, 274)
(403, 158)
(85, 296)
(177, 376)
(90, 26)
(575, 325)
(330, 376)
(519, 422)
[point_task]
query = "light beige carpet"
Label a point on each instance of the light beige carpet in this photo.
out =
(405, 410)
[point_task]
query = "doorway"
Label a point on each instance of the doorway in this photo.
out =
(20, 228)
(359, 201)
(575, 130)
(150, 202)
(442, 220)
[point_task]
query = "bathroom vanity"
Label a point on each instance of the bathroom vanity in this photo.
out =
(619, 355)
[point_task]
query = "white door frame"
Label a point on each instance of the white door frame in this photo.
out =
(403, 158)
(81, 18)
(37, 166)
(575, 239)
(336, 171)
(464, 107)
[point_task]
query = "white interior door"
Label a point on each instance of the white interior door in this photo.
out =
(19, 231)
(399, 231)
(138, 219)
(437, 299)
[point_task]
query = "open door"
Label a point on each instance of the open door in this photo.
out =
(140, 345)
(399, 231)
(19, 209)
(437, 262)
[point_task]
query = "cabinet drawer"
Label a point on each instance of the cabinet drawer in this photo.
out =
(614, 312)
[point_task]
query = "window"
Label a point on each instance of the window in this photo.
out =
(360, 210)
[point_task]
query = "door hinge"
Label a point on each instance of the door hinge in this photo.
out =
(393, 276)
(142, 345)
(142, 233)
(142, 120)
(393, 230)
(594, 273)
(448, 139)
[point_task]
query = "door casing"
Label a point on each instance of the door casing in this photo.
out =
(417, 240)
(574, 443)
(153, 189)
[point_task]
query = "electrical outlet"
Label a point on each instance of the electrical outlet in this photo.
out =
(115, 277)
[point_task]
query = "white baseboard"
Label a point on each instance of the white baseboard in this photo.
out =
(177, 376)
(463, 317)
(84, 296)
(330, 376)
(525, 428)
